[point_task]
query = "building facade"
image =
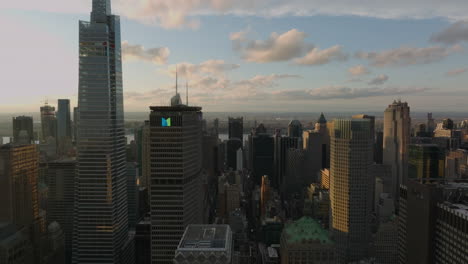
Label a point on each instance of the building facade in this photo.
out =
(176, 164)
(23, 126)
(236, 128)
(396, 139)
(351, 188)
(48, 122)
(101, 216)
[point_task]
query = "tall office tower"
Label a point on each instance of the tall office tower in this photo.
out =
(101, 216)
(48, 122)
(397, 128)
(19, 201)
(64, 126)
(431, 125)
(295, 129)
(372, 122)
(132, 194)
(176, 168)
(425, 161)
(232, 146)
(23, 125)
(75, 123)
(143, 157)
(61, 200)
(296, 176)
(451, 233)
(282, 145)
(351, 188)
(236, 128)
(317, 145)
(378, 147)
(261, 152)
(18, 184)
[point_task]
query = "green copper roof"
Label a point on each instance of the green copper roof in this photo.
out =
(306, 230)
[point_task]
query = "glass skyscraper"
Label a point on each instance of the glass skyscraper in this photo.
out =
(101, 217)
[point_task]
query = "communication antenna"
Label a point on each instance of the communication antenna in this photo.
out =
(176, 85)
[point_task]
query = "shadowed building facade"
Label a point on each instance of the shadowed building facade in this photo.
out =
(176, 168)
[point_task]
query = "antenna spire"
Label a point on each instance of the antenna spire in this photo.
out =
(176, 84)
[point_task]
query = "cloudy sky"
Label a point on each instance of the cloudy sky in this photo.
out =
(249, 55)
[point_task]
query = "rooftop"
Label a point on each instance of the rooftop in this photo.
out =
(177, 108)
(460, 209)
(305, 230)
(205, 237)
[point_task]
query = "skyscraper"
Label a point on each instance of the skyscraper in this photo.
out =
(261, 154)
(425, 161)
(295, 129)
(397, 128)
(61, 183)
(23, 126)
(176, 167)
(48, 122)
(64, 129)
(351, 188)
(236, 128)
(101, 216)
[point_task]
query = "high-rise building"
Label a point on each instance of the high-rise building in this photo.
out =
(282, 145)
(48, 122)
(351, 188)
(396, 139)
(18, 185)
(19, 200)
(261, 154)
(295, 129)
(176, 168)
(430, 124)
(232, 146)
(317, 146)
(64, 126)
(61, 200)
(236, 128)
(205, 244)
(432, 222)
(132, 194)
(451, 233)
(425, 161)
(101, 215)
(23, 126)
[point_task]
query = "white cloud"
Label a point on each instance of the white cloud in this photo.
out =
(405, 56)
(358, 70)
(455, 72)
(379, 80)
(341, 92)
(181, 13)
(320, 57)
(197, 71)
(278, 47)
(455, 33)
(138, 52)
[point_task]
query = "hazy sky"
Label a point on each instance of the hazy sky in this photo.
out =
(249, 55)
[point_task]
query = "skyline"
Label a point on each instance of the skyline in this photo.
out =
(318, 60)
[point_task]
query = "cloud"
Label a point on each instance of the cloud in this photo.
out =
(183, 13)
(405, 56)
(138, 52)
(278, 47)
(455, 72)
(196, 71)
(358, 70)
(320, 57)
(341, 92)
(455, 33)
(379, 80)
